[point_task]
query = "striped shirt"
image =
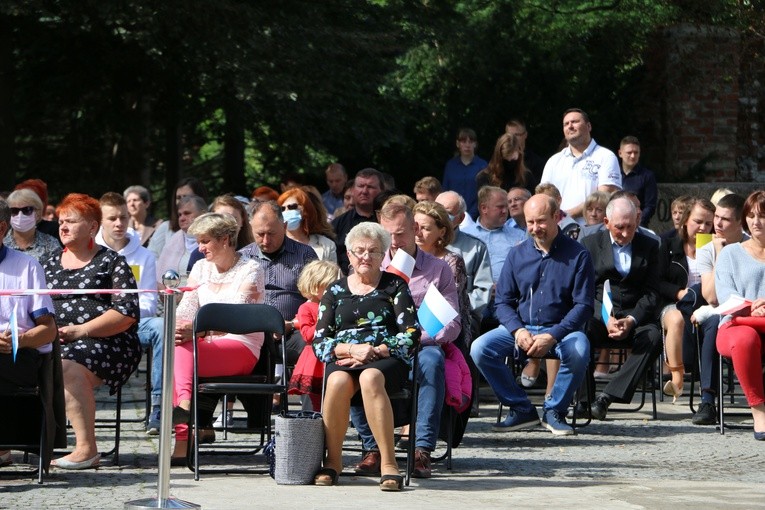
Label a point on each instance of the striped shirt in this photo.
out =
(282, 270)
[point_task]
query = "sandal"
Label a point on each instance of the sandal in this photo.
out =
(326, 482)
(391, 483)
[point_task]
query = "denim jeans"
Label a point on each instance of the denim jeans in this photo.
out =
(150, 334)
(430, 402)
(490, 350)
(709, 362)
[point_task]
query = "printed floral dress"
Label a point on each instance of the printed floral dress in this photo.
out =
(386, 315)
(112, 358)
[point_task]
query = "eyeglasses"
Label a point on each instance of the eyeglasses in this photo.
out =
(360, 254)
(290, 207)
(26, 210)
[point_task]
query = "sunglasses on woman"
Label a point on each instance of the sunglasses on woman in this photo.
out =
(290, 207)
(26, 210)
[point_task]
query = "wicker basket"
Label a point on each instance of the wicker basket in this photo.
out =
(299, 447)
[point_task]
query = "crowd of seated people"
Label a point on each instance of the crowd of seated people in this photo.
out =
(502, 268)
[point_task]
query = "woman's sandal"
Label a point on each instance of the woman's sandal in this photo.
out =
(671, 388)
(391, 483)
(326, 482)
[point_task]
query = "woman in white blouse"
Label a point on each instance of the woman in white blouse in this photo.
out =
(223, 276)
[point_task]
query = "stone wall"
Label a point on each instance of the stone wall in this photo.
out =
(662, 219)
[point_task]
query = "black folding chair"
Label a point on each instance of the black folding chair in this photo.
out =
(726, 390)
(576, 422)
(240, 319)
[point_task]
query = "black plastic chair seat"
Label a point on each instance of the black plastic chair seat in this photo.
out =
(240, 388)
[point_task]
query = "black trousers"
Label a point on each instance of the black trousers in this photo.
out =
(24, 371)
(645, 342)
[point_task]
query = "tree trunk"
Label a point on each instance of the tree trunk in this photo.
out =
(233, 139)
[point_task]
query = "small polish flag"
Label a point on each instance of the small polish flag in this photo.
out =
(402, 265)
(607, 306)
(435, 311)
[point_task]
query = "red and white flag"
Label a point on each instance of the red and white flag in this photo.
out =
(402, 264)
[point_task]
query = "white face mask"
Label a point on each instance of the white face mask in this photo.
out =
(23, 223)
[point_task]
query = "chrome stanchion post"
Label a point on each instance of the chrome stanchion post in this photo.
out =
(171, 280)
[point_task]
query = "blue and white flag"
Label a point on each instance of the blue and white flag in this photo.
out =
(435, 311)
(13, 324)
(607, 306)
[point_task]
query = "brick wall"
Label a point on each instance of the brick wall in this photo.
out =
(691, 98)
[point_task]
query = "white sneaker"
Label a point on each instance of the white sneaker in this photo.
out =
(229, 420)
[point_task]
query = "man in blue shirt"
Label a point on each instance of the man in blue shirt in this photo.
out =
(336, 179)
(493, 228)
(544, 297)
(460, 171)
(637, 178)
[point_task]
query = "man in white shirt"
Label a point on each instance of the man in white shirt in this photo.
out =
(582, 167)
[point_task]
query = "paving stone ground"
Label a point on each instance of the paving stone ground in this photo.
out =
(628, 461)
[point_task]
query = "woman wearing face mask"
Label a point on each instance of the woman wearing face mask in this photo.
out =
(26, 212)
(305, 225)
(506, 168)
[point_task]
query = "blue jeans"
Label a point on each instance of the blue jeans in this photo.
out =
(490, 350)
(430, 402)
(150, 334)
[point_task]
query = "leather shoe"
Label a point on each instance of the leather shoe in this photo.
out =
(85, 464)
(422, 464)
(181, 416)
(706, 414)
(599, 408)
(759, 436)
(370, 464)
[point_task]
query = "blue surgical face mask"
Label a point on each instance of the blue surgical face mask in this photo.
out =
(451, 217)
(293, 218)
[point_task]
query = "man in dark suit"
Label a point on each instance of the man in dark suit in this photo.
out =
(630, 262)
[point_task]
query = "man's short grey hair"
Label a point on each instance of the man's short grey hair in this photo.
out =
(142, 192)
(5, 211)
(461, 205)
(371, 231)
(269, 204)
(621, 204)
(195, 200)
(526, 193)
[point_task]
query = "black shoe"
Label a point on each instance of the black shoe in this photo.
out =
(181, 416)
(706, 414)
(599, 408)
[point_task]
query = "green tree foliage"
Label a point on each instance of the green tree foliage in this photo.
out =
(99, 95)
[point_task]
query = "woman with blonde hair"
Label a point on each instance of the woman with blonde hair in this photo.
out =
(308, 374)
(223, 276)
